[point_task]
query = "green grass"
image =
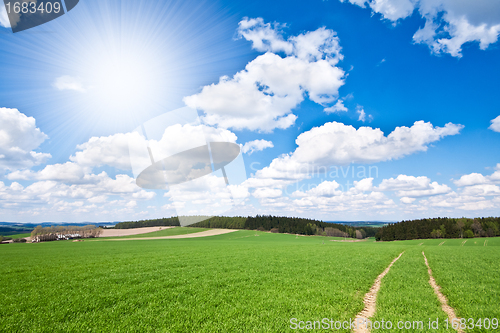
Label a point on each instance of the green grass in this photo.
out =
(405, 296)
(236, 282)
(245, 281)
(164, 232)
(20, 235)
(469, 277)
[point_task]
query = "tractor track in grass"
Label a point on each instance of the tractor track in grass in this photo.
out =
(370, 301)
(444, 302)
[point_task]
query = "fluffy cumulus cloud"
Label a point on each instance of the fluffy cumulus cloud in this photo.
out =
(495, 124)
(331, 197)
(262, 96)
(338, 144)
(19, 137)
(475, 179)
(449, 24)
(116, 150)
(67, 82)
(413, 187)
(67, 172)
(91, 194)
(256, 145)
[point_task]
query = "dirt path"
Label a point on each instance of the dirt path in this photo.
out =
(348, 240)
(130, 232)
(370, 302)
(444, 303)
(212, 232)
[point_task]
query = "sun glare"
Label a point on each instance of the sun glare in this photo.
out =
(121, 81)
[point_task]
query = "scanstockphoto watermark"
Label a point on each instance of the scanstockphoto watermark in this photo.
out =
(332, 172)
(422, 325)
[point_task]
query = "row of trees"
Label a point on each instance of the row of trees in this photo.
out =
(41, 234)
(164, 222)
(281, 224)
(296, 225)
(222, 222)
(440, 228)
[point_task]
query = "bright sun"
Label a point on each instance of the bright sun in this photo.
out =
(121, 81)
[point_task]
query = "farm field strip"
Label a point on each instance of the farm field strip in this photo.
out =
(194, 234)
(406, 302)
(165, 231)
(370, 300)
(442, 299)
(469, 278)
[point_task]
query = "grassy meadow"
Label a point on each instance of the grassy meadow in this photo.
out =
(245, 281)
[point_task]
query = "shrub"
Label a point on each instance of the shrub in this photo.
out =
(468, 234)
(275, 230)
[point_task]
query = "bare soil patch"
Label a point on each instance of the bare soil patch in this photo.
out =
(370, 301)
(130, 232)
(444, 302)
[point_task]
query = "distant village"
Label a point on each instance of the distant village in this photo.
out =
(47, 234)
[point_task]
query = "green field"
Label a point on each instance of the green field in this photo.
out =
(245, 281)
(14, 236)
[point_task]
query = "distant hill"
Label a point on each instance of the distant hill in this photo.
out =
(13, 228)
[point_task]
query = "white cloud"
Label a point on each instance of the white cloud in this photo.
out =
(261, 193)
(4, 18)
(362, 115)
(495, 124)
(67, 172)
(262, 96)
(115, 150)
(112, 150)
(19, 137)
(407, 200)
(338, 107)
(67, 82)
(412, 187)
(449, 24)
(328, 197)
(263, 36)
(471, 179)
(474, 179)
(324, 189)
(338, 144)
(256, 145)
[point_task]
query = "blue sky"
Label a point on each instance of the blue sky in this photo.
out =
(402, 92)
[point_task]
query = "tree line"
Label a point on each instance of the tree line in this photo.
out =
(440, 228)
(281, 224)
(163, 222)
